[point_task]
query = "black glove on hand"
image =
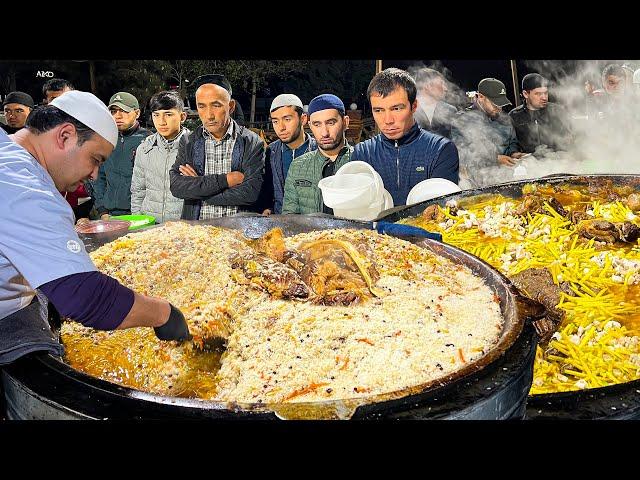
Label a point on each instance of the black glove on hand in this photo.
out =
(175, 328)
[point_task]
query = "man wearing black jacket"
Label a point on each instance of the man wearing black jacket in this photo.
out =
(218, 169)
(539, 124)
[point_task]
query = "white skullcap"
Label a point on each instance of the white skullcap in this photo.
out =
(89, 109)
(284, 100)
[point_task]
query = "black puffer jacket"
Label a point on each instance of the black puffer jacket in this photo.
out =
(247, 157)
(548, 126)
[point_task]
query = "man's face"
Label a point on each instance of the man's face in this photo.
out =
(287, 123)
(393, 114)
(167, 122)
(613, 85)
(436, 89)
(537, 98)
(16, 114)
(78, 163)
(214, 106)
(51, 94)
(328, 128)
(490, 108)
(124, 120)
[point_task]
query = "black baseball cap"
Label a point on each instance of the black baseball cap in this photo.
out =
(533, 80)
(494, 90)
(214, 78)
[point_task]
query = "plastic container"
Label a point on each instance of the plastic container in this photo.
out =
(348, 190)
(103, 227)
(388, 200)
(431, 188)
(363, 168)
(137, 221)
(367, 213)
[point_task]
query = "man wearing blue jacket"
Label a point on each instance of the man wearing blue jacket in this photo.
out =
(403, 153)
(288, 120)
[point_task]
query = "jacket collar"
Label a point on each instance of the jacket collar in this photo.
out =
(134, 128)
(157, 139)
(346, 149)
(410, 136)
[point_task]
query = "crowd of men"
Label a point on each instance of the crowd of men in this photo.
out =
(73, 147)
(223, 168)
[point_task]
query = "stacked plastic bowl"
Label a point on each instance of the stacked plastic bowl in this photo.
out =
(356, 192)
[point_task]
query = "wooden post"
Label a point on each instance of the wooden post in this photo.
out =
(514, 77)
(92, 76)
(253, 102)
(376, 130)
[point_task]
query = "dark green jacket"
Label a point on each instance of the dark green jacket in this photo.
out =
(301, 192)
(112, 189)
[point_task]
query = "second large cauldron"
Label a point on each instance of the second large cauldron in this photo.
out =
(620, 401)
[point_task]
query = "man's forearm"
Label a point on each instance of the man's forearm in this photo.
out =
(146, 312)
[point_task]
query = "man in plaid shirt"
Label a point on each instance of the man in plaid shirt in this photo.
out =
(218, 169)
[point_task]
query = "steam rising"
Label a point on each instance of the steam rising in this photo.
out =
(606, 127)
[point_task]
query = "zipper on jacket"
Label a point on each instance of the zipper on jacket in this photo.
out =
(164, 185)
(538, 130)
(398, 162)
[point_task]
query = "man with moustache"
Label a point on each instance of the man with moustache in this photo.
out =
(62, 144)
(219, 166)
(16, 106)
(484, 134)
(328, 124)
(112, 189)
(288, 120)
(540, 125)
(403, 153)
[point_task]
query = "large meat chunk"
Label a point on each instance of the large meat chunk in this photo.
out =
(534, 203)
(266, 274)
(537, 284)
(335, 268)
(609, 232)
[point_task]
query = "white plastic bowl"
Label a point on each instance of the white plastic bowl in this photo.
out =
(363, 213)
(388, 200)
(431, 188)
(352, 190)
(363, 168)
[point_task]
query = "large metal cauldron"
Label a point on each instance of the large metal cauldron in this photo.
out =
(41, 386)
(615, 402)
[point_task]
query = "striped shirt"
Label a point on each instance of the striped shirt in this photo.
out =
(217, 154)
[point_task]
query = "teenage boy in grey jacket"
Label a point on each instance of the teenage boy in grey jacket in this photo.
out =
(150, 192)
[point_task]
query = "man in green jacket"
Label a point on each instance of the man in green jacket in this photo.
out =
(328, 124)
(112, 189)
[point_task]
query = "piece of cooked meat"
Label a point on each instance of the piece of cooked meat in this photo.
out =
(534, 203)
(345, 268)
(537, 284)
(270, 244)
(609, 232)
(433, 212)
(633, 201)
(599, 229)
(629, 232)
(261, 272)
